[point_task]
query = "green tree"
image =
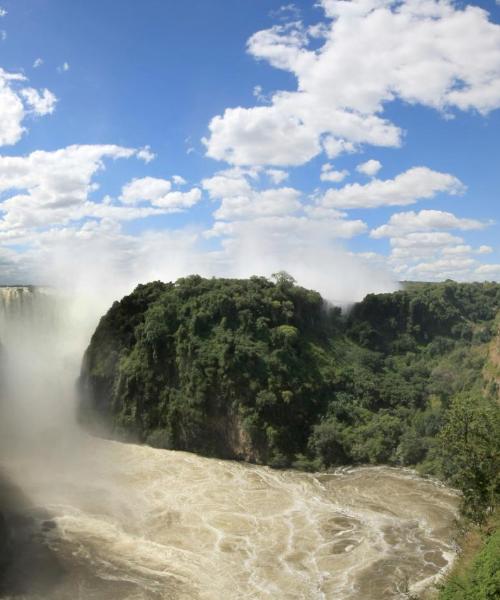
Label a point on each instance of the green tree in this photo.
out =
(470, 452)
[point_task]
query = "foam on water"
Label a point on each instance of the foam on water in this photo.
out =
(175, 525)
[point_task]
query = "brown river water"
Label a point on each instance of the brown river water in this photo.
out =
(128, 522)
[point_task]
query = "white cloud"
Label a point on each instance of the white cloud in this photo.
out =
(277, 176)
(433, 53)
(11, 109)
(425, 220)
(286, 12)
(240, 200)
(370, 167)
(13, 96)
(461, 249)
(407, 188)
(37, 63)
(328, 173)
(262, 135)
(145, 154)
(42, 103)
(335, 147)
(3, 12)
(443, 268)
(243, 208)
(178, 180)
(489, 270)
(53, 188)
(144, 189)
(3, 35)
(176, 201)
(63, 68)
(425, 240)
(258, 93)
(466, 249)
(158, 193)
(273, 202)
(229, 183)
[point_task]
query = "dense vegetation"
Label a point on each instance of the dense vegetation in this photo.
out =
(267, 371)
(476, 576)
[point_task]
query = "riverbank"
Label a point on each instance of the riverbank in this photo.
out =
(476, 572)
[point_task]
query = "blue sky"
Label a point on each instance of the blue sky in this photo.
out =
(347, 140)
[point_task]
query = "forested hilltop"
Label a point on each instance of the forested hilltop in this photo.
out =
(267, 371)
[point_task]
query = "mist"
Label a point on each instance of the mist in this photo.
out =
(44, 331)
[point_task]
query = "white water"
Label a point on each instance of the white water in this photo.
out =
(135, 523)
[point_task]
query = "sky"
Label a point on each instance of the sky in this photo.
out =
(353, 144)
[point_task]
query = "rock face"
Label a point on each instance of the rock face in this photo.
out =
(4, 544)
(28, 567)
(228, 368)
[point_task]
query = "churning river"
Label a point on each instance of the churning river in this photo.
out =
(127, 522)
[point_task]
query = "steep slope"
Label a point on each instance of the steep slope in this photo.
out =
(231, 368)
(267, 372)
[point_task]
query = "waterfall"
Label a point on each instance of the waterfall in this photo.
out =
(37, 369)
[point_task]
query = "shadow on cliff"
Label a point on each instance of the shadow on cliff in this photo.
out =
(28, 567)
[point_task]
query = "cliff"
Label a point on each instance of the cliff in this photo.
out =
(229, 368)
(268, 372)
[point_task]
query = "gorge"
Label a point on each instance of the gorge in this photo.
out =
(110, 520)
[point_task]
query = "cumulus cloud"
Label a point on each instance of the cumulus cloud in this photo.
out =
(443, 268)
(264, 229)
(344, 85)
(16, 101)
(417, 183)
(157, 192)
(328, 173)
(38, 62)
(492, 270)
(146, 154)
(228, 183)
(370, 167)
(53, 188)
(425, 220)
(335, 147)
(425, 240)
(3, 12)
(277, 176)
(276, 201)
(239, 199)
(41, 102)
(177, 201)
(145, 188)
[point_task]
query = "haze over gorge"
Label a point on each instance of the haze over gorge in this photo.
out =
(95, 518)
(249, 300)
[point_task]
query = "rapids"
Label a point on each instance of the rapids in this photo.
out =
(128, 522)
(132, 522)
